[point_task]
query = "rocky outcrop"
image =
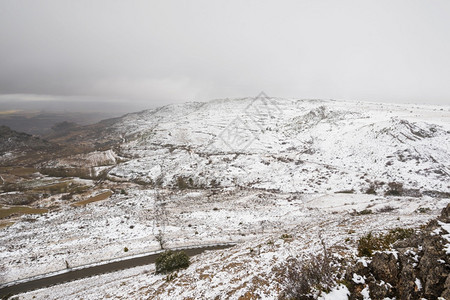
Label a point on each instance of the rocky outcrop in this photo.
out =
(22, 149)
(11, 140)
(415, 268)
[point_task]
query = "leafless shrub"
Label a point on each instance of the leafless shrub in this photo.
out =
(307, 278)
(160, 239)
(160, 218)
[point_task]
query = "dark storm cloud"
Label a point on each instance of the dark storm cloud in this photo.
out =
(153, 52)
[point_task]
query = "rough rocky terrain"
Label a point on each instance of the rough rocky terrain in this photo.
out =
(414, 268)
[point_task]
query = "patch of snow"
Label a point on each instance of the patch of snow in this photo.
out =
(437, 231)
(358, 279)
(393, 252)
(365, 293)
(418, 284)
(364, 261)
(339, 292)
(446, 228)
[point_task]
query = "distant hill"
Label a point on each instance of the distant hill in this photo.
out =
(11, 140)
(20, 148)
(305, 146)
(41, 123)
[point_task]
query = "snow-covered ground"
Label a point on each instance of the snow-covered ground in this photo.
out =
(310, 146)
(252, 267)
(258, 169)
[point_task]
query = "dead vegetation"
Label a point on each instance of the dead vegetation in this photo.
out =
(307, 277)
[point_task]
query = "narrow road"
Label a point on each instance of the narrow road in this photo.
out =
(94, 270)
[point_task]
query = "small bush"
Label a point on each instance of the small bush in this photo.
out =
(399, 234)
(367, 244)
(386, 208)
(370, 242)
(125, 249)
(352, 191)
(423, 210)
(365, 212)
(169, 261)
(181, 183)
(184, 183)
(305, 279)
(371, 190)
(395, 189)
(286, 236)
(66, 197)
(214, 183)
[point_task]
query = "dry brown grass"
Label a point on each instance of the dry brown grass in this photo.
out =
(20, 210)
(99, 197)
(5, 224)
(18, 171)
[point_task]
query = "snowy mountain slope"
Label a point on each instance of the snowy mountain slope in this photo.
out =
(236, 170)
(290, 145)
(253, 268)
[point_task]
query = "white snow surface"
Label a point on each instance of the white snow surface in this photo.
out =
(340, 292)
(279, 164)
(311, 146)
(255, 219)
(418, 284)
(446, 227)
(358, 279)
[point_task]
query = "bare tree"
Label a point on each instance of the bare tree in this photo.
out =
(160, 217)
(160, 238)
(3, 271)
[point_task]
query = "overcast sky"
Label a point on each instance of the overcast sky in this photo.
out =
(148, 53)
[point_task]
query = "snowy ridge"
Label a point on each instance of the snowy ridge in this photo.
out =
(289, 145)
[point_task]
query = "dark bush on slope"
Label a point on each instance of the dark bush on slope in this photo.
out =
(170, 261)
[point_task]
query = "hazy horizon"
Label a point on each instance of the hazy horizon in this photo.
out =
(142, 54)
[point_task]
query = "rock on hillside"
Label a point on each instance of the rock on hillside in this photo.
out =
(415, 268)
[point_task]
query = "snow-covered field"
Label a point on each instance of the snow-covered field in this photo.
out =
(251, 171)
(249, 267)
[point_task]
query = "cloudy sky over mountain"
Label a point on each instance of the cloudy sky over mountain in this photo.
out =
(147, 53)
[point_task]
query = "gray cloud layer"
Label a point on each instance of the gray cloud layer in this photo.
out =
(155, 52)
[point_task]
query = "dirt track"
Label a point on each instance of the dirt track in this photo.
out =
(92, 271)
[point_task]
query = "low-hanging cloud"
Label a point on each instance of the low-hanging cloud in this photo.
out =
(154, 52)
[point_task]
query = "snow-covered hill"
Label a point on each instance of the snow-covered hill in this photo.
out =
(290, 145)
(273, 175)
